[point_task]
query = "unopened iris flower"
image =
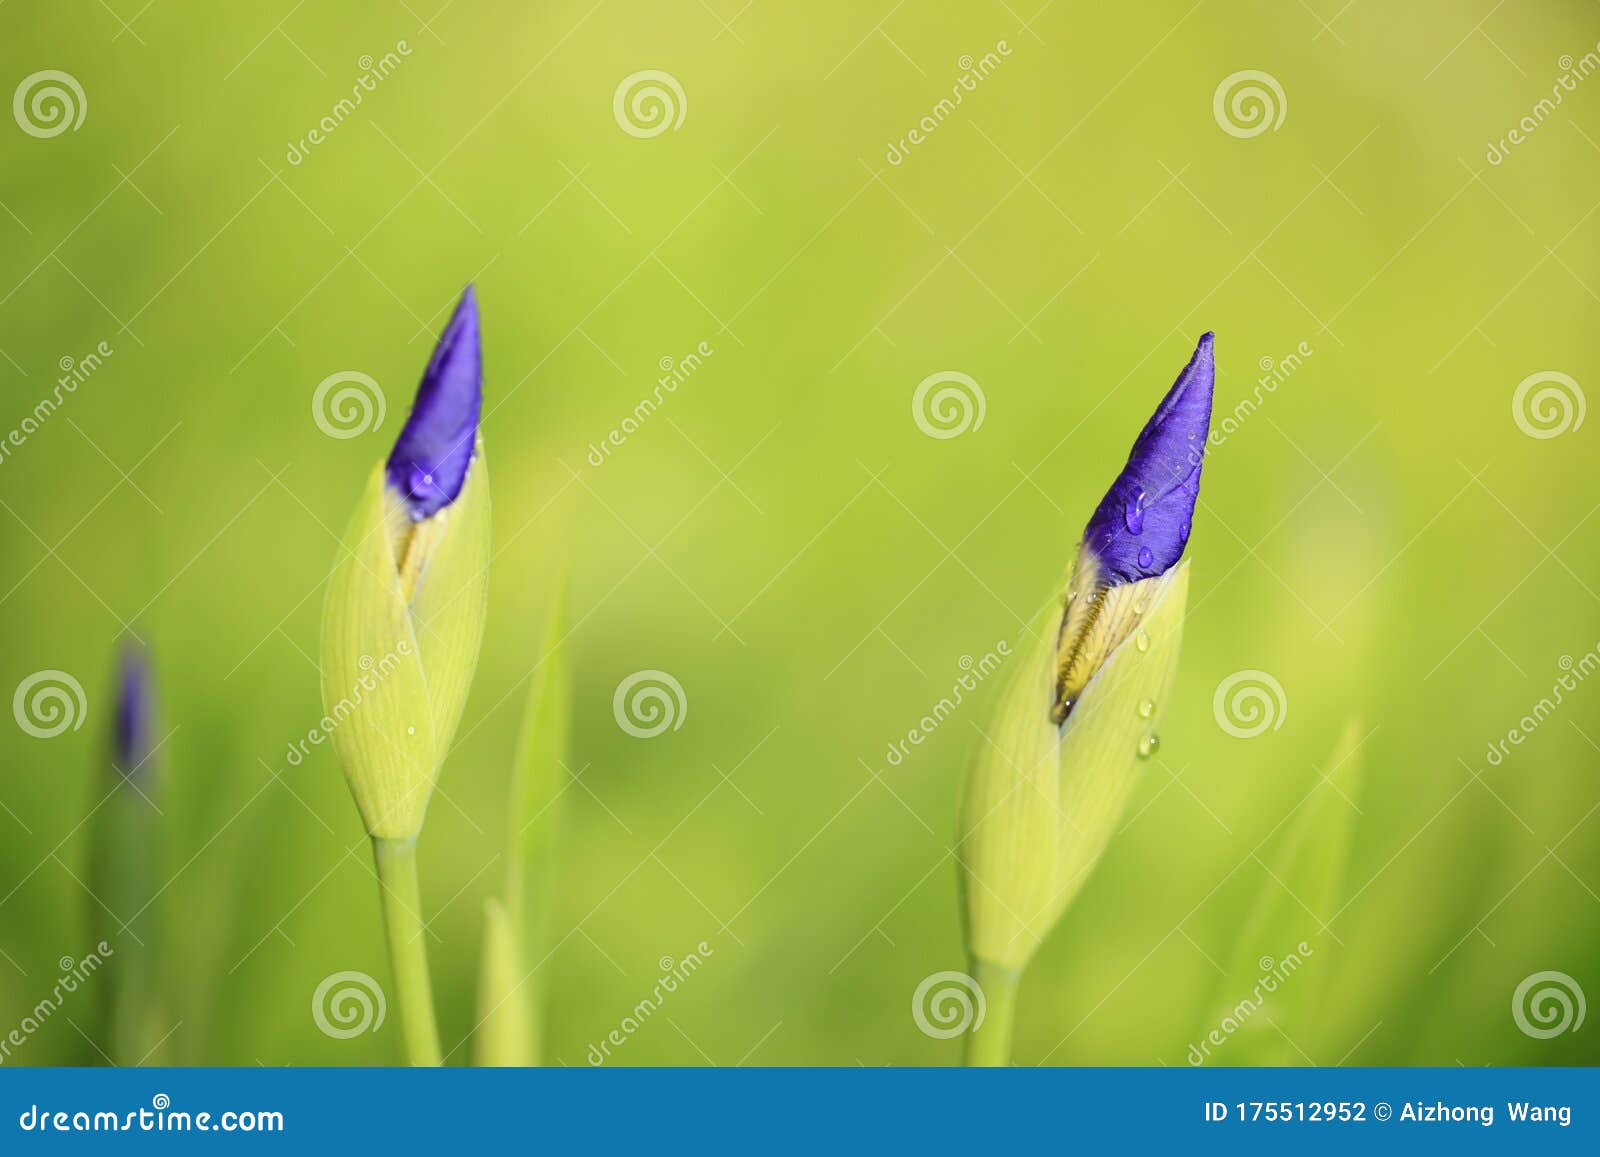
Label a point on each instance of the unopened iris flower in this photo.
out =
(125, 872)
(401, 630)
(1049, 788)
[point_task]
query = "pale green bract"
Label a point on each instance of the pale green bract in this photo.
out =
(1041, 804)
(396, 670)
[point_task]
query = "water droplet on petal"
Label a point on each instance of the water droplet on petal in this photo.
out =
(1145, 558)
(1149, 745)
(411, 730)
(1147, 708)
(1133, 514)
(1142, 640)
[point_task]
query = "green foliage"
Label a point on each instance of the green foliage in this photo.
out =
(1270, 999)
(517, 931)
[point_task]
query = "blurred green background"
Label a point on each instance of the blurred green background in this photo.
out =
(1379, 535)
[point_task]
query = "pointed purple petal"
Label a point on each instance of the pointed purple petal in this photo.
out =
(1141, 525)
(428, 465)
(135, 712)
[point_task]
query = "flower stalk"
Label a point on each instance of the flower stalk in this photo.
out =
(402, 921)
(989, 1040)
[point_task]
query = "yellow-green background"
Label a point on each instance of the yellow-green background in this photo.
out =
(1380, 536)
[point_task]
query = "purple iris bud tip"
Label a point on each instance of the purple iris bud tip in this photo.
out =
(1142, 524)
(429, 463)
(135, 713)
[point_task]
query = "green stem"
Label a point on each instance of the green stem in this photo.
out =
(408, 951)
(989, 1041)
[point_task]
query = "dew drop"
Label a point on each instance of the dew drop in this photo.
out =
(411, 730)
(1133, 514)
(1147, 708)
(1145, 558)
(1142, 640)
(1149, 745)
